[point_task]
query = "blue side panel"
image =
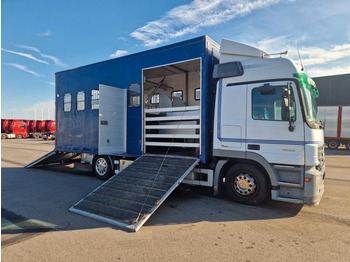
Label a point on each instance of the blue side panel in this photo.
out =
(77, 131)
(208, 99)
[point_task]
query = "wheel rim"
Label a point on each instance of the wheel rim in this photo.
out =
(333, 144)
(244, 184)
(101, 166)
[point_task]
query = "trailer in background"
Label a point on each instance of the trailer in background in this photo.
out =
(50, 129)
(337, 125)
(5, 125)
(34, 131)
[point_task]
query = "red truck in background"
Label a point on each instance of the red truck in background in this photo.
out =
(13, 128)
(50, 130)
(337, 125)
(18, 129)
(5, 125)
(34, 129)
(41, 126)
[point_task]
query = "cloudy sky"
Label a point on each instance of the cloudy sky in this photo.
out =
(40, 37)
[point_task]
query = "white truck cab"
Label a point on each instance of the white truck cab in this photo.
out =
(266, 131)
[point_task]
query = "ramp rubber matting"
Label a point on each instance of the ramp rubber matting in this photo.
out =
(129, 198)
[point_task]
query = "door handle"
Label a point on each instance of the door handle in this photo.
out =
(253, 147)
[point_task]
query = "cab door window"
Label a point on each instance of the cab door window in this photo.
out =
(268, 103)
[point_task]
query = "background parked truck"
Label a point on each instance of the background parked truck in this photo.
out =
(14, 128)
(337, 125)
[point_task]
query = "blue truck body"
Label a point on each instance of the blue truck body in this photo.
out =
(77, 130)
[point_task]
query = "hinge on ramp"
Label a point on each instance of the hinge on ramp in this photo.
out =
(129, 198)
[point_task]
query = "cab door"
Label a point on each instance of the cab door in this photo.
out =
(272, 132)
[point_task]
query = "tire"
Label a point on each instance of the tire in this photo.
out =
(246, 184)
(102, 167)
(19, 136)
(3, 136)
(333, 144)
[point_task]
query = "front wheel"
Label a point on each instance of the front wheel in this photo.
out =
(19, 136)
(102, 167)
(246, 184)
(333, 144)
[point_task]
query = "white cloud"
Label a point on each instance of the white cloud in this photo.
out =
(56, 60)
(29, 48)
(24, 68)
(186, 19)
(318, 61)
(318, 55)
(26, 55)
(39, 111)
(118, 53)
(51, 83)
(47, 33)
(332, 70)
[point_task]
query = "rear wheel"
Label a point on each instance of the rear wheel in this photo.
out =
(246, 184)
(19, 136)
(102, 167)
(333, 144)
(3, 136)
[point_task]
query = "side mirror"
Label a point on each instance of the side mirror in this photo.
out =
(288, 106)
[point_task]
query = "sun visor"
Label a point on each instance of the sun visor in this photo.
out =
(233, 51)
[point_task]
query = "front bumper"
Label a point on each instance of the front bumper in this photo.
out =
(313, 190)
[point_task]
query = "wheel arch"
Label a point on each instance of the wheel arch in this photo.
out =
(251, 158)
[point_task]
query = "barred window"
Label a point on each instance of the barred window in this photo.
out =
(95, 99)
(197, 94)
(177, 94)
(81, 101)
(67, 102)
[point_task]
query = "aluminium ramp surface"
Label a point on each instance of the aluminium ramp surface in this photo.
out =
(129, 198)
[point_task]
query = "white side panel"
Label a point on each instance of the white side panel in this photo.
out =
(233, 116)
(112, 120)
(345, 125)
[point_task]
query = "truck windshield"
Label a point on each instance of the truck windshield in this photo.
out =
(310, 93)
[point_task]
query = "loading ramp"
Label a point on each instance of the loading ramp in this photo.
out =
(54, 158)
(129, 198)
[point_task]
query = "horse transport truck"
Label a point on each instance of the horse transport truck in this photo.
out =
(230, 117)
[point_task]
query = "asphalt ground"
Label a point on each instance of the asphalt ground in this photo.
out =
(191, 225)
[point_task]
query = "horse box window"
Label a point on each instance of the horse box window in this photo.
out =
(67, 102)
(95, 99)
(134, 94)
(81, 101)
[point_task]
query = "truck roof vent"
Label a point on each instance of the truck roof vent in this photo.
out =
(230, 69)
